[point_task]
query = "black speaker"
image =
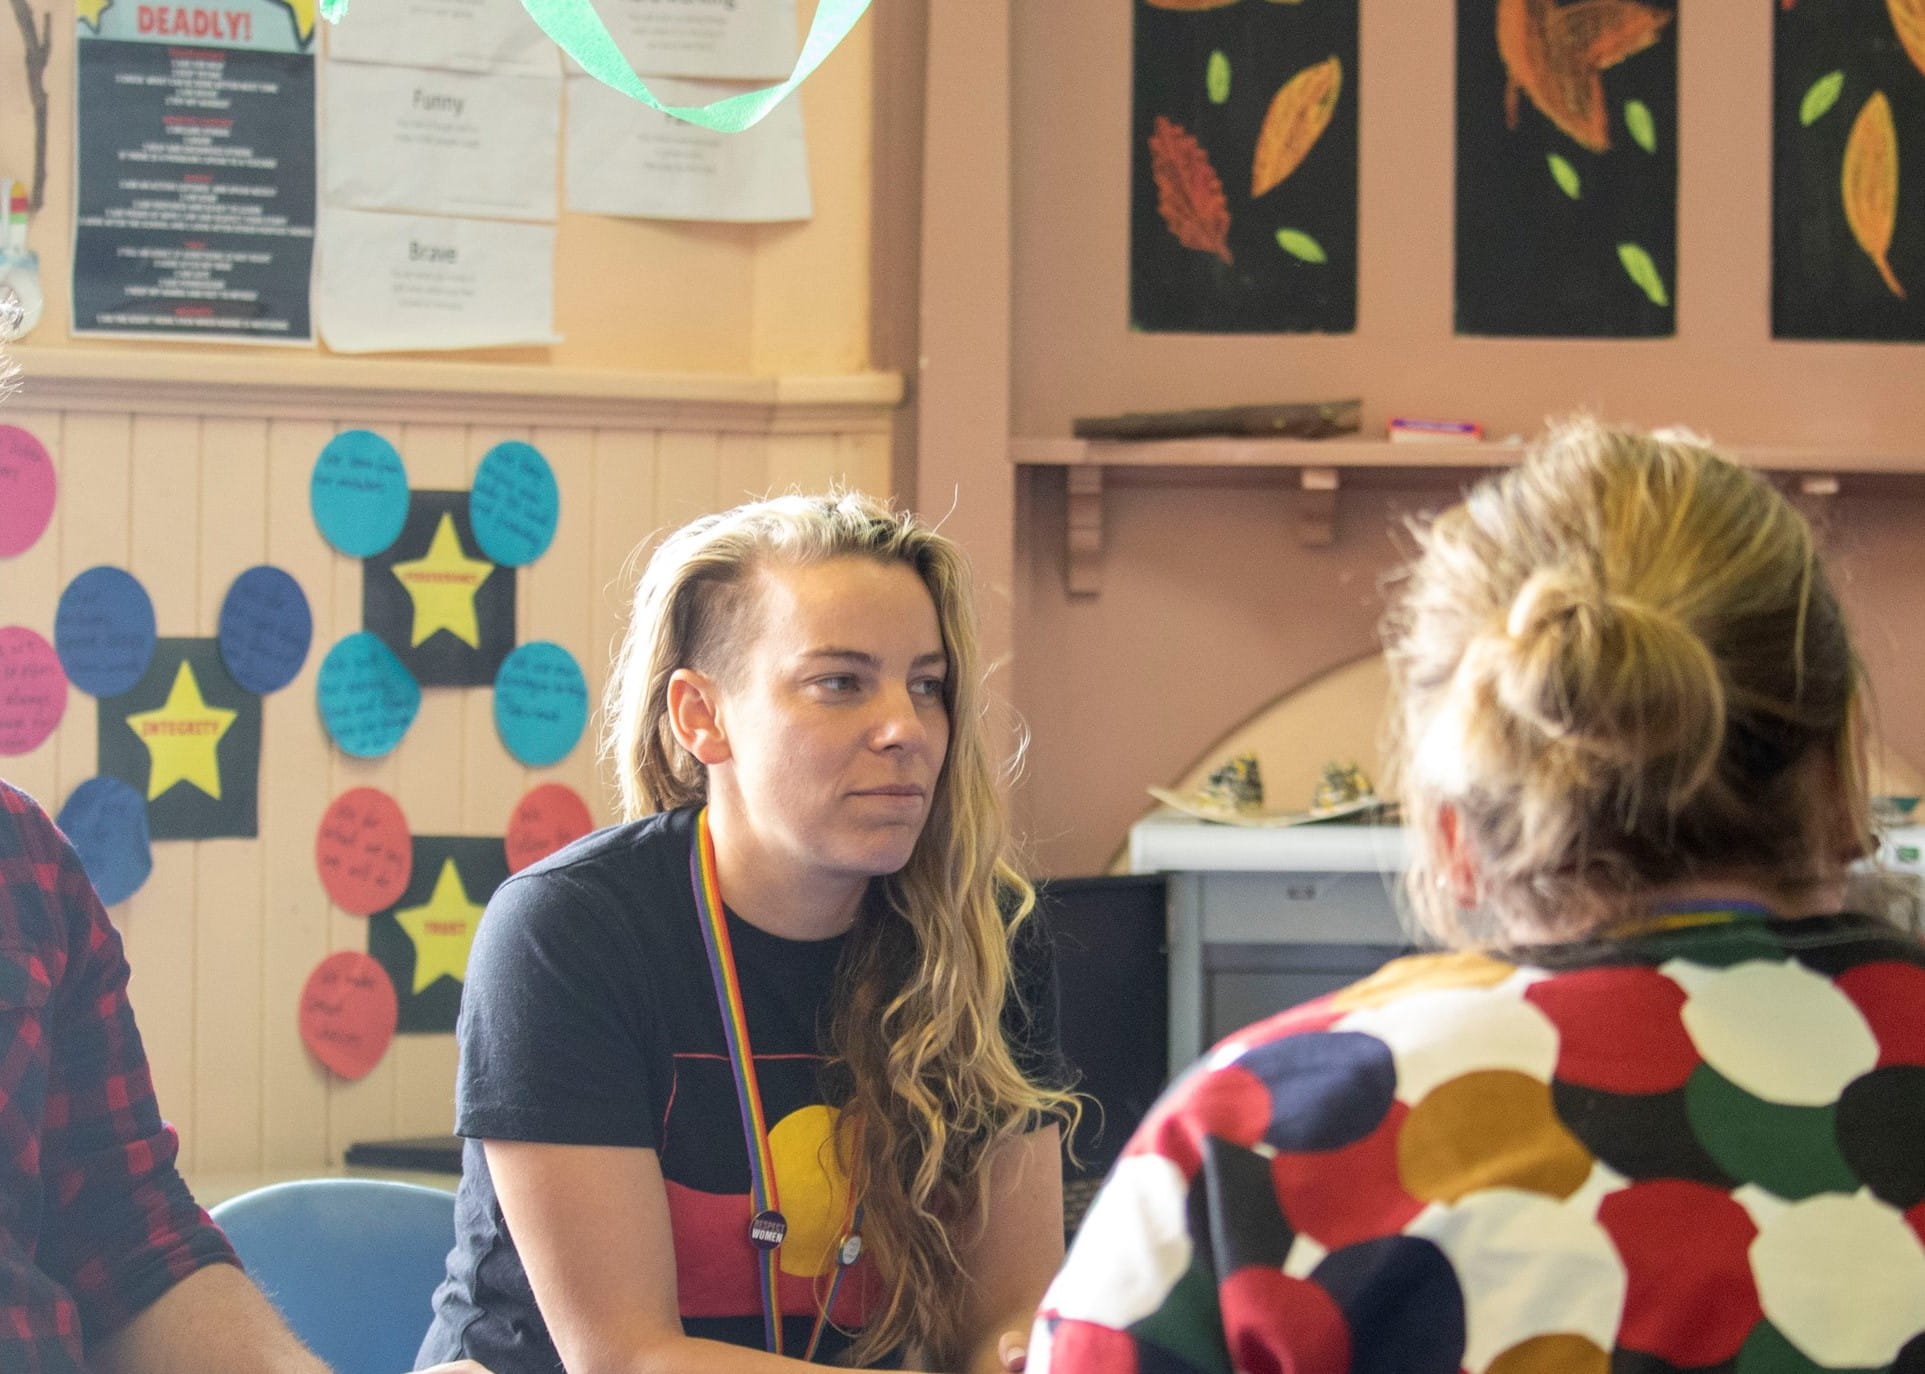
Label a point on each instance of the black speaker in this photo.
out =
(1112, 966)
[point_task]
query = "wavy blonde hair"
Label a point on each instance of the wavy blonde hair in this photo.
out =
(1621, 665)
(916, 1040)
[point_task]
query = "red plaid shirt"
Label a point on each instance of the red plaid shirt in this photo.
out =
(94, 1221)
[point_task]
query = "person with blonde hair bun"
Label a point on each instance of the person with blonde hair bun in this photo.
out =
(771, 1064)
(1658, 1106)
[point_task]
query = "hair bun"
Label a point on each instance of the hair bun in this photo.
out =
(1619, 678)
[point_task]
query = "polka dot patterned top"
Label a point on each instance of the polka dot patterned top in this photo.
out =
(1697, 1147)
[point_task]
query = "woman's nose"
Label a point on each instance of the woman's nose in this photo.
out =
(899, 725)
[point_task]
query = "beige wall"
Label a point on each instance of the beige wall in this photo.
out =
(702, 364)
(648, 295)
(1210, 607)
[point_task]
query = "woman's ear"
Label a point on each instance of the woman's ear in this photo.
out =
(695, 715)
(1457, 874)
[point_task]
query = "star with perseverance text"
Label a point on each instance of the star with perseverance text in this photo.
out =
(443, 583)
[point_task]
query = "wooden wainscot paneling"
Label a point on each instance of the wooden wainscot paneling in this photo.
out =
(187, 468)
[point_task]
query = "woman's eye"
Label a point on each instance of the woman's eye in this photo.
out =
(928, 687)
(837, 682)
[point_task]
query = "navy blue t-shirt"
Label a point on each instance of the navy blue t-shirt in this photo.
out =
(589, 1018)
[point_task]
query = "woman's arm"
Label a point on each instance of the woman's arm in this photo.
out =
(1018, 1250)
(591, 1224)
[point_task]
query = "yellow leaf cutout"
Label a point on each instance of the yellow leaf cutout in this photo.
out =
(1299, 113)
(1869, 183)
(1908, 17)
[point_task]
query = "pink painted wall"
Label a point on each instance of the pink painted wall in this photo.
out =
(1210, 607)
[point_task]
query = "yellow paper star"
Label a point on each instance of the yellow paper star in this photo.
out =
(443, 584)
(443, 931)
(302, 12)
(91, 10)
(182, 736)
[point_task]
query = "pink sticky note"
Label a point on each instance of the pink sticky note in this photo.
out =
(26, 490)
(545, 819)
(348, 1013)
(364, 851)
(33, 690)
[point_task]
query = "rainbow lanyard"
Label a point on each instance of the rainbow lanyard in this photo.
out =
(767, 1227)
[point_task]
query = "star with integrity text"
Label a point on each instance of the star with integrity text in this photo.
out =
(443, 930)
(183, 736)
(443, 583)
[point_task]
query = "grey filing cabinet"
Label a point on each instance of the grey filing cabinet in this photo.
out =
(1261, 919)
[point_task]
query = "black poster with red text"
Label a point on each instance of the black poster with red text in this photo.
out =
(195, 199)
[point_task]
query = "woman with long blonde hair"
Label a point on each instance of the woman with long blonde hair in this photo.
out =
(771, 1064)
(1659, 1106)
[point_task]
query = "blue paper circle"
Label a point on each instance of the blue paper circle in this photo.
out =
(515, 504)
(103, 631)
(359, 492)
(367, 696)
(541, 703)
(106, 821)
(265, 629)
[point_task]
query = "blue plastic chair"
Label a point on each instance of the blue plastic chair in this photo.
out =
(352, 1263)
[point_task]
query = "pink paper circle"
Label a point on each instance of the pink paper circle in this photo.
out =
(33, 690)
(348, 1013)
(363, 851)
(26, 490)
(547, 818)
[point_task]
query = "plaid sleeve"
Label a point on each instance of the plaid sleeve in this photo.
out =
(119, 1226)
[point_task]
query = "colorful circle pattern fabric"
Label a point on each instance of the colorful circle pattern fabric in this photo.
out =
(1696, 1152)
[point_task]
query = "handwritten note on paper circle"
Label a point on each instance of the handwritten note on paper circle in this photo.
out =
(515, 504)
(367, 696)
(106, 820)
(265, 629)
(359, 493)
(541, 703)
(547, 818)
(33, 690)
(27, 488)
(364, 852)
(104, 631)
(348, 1013)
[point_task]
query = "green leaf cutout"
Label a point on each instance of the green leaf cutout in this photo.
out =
(1300, 245)
(1638, 264)
(1565, 175)
(1216, 77)
(1644, 129)
(1820, 98)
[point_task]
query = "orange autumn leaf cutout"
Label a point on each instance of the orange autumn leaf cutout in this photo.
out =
(1908, 17)
(1298, 115)
(1189, 194)
(1556, 54)
(1869, 183)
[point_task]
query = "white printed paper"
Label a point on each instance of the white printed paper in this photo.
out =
(724, 40)
(437, 142)
(419, 282)
(464, 35)
(626, 159)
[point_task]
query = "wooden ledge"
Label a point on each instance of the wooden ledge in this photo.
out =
(274, 385)
(1339, 454)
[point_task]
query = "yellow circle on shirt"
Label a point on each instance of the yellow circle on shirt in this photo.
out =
(812, 1187)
